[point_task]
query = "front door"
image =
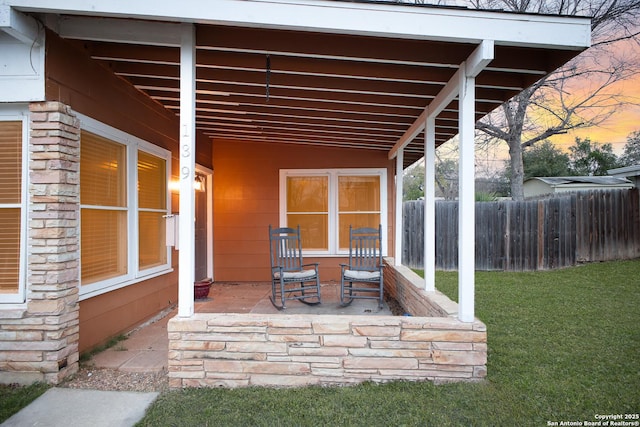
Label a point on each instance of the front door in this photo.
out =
(203, 259)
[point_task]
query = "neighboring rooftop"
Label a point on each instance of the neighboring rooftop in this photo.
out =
(596, 180)
(633, 170)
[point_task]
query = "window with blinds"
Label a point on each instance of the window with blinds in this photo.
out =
(358, 205)
(326, 202)
(152, 206)
(103, 217)
(308, 205)
(123, 201)
(10, 205)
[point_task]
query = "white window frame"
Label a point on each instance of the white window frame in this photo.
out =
(20, 112)
(333, 219)
(132, 145)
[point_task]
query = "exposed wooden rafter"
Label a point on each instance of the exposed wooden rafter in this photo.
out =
(353, 74)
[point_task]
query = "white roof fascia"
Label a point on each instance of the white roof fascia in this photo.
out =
(369, 19)
(120, 31)
(475, 63)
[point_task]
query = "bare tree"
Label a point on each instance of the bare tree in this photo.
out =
(581, 94)
(578, 95)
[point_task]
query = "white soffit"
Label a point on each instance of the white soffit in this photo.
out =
(369, 19)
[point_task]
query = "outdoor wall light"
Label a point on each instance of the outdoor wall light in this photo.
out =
(198, 184)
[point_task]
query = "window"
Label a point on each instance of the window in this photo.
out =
(152, 207)
(103, 217)
(12, 209)
(359, 204)
(308, 205)
(326, 202)
(123, 201)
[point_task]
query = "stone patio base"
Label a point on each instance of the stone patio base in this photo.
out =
(238, 350)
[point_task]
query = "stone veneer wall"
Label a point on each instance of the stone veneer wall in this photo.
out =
(39, 340)
(237, 350)
(406, 287)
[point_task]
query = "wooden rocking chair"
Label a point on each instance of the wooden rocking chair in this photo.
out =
(290, 278)
(364, 268)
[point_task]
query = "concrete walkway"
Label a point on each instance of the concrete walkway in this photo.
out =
(66, 407)
(145, 350)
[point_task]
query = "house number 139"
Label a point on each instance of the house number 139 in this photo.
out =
(186, 152)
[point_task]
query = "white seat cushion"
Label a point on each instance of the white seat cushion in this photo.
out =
(296, 275)
(361, 275)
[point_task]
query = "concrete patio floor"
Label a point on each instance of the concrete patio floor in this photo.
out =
(146, 348)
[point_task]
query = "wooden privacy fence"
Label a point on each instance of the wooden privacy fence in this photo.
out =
(558, 231)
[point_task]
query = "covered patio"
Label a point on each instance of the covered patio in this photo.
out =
(379, 77)
(262, 88)
(253, 344)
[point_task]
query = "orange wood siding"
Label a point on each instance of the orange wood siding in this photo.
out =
(88, 88)
(76, 80)
(246, 201)
(246, 187)
(119, 311)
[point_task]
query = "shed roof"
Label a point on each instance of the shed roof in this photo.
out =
(595, 180)
(332, 73)
(633, 170)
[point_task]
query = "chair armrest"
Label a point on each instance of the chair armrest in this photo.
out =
(313, 264)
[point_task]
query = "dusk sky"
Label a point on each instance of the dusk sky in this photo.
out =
(614, 131)
(621, 124)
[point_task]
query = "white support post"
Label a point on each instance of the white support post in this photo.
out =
(187, 170)
(399, 211)
(466, 207)
(430, 204)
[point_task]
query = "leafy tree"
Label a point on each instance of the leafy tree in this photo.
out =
(482, 196)
(545, 160)
(631, 153)
(413, 183)
(447, 173)
(591, 158)
(446, 180)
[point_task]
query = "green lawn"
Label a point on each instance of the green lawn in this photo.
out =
(13, 398)
(563, 346)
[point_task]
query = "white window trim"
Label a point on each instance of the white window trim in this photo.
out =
(333, 175)
(20, 112)
(133, 144)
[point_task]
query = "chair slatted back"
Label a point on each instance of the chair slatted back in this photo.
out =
(365, 250)
(285, 248)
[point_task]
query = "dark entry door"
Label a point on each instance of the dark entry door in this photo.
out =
(201, 236)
